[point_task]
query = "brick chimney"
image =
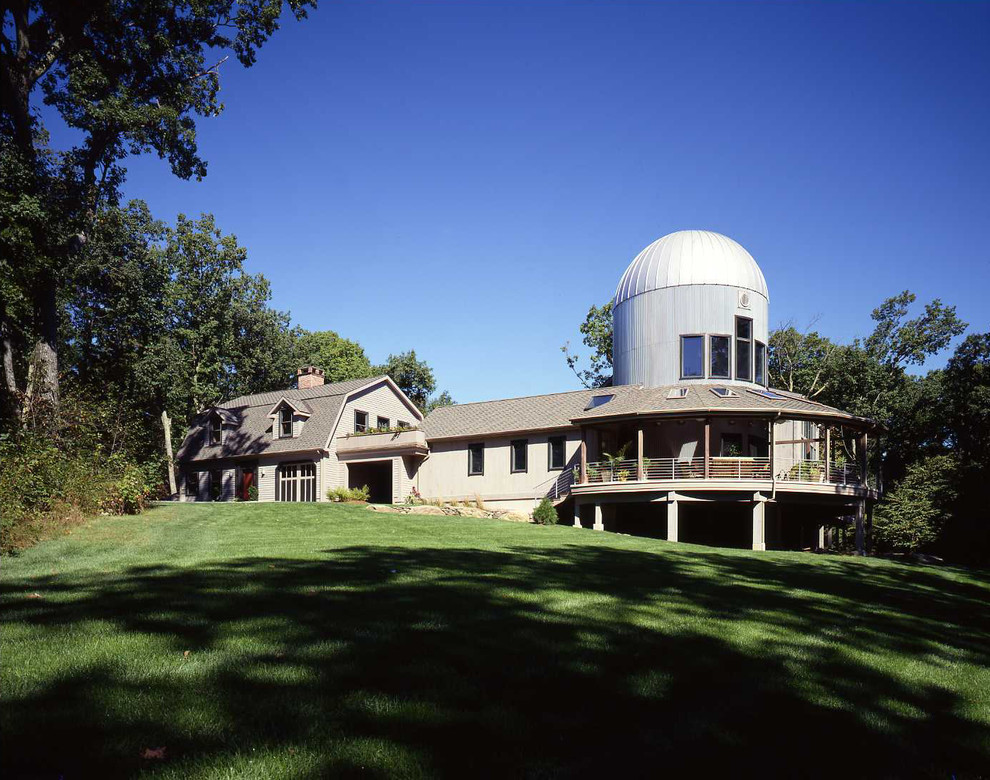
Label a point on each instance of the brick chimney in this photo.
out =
(309, 376)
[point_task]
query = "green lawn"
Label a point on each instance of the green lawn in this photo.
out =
(300, 641)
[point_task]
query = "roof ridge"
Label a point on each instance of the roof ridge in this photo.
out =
(534, 395)
(315, 396)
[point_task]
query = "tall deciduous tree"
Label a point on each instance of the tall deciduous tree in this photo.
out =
(596, 334)
(341, 359)
(130, 76)
(412, 375)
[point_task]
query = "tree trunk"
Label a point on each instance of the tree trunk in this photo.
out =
(9, 377)
(42, 390)
(167, 427)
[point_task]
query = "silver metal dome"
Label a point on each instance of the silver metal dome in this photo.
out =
(689, 257)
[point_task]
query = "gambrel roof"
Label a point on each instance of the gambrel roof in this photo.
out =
(248, 422)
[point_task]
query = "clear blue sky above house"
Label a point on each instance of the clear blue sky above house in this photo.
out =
(466, 179)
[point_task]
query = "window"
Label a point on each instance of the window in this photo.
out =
(519, 450)
(768, 394)
(724, 392)
(760, 372)
(402, 424)
(216, 429)
(556, 454)
(692, 357)
(285, 418)
(731, 445)
(295, 482)
(216, 485)
(719, 357)
(384, 422)
(360, 421)
(476, 459)
(744, 348)
(598, 400)
(677, 392)
(758, 446)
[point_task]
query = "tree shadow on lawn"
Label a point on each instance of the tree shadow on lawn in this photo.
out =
(574, 661)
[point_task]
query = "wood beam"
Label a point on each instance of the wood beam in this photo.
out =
(640, 473)
(584, 459)
(828, 454)
(708, 445)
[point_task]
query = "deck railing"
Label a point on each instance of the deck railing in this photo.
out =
(724, 468)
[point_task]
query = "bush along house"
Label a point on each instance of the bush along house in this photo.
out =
(688, 444)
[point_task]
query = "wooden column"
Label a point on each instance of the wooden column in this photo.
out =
(584, 459)
(860, 530)
(671, 517)
(828, 454)
(770, 447)
(708, 445)
(861, 457)
(640, 473)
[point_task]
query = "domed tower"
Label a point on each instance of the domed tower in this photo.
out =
(692, 307)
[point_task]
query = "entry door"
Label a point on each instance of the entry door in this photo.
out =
(247, 481)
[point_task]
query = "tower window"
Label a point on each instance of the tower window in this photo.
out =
(760, 372)
(744, 349)
(719, 357)
(692, 357)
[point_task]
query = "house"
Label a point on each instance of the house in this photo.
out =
(689, 443)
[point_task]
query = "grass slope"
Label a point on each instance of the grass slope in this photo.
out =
(301, 641)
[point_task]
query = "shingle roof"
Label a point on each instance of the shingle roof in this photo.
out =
(562, 410)
(250, 432)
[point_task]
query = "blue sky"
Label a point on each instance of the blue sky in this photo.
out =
(466, 179)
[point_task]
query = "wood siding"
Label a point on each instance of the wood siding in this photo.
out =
(379, 400)
(445, 473)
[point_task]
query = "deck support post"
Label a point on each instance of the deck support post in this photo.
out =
(672, 517)
(584, 459)
(640, 472)
(708, 445)
(599, 525)
(759, 524)
(860, 531)
(828, 454)
(821, 537)
(861, 447)
(577, 514)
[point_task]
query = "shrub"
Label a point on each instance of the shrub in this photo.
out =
(545, 513)
(912, 515)
(339, 494)
(252, 493)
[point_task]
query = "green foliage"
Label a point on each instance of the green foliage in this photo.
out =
(438, 400)
(412, 375)
(44, 486)
(341, 359)
(545, 513)
(913, 514)
(340, 494)
(128, 77)
(596, 334)
(252, 493)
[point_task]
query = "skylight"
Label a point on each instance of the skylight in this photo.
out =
(677, 392)
(724, 392)
(598, 400)
(768, 394)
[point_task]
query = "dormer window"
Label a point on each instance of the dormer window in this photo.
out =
(216, 429)
(285, 423)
